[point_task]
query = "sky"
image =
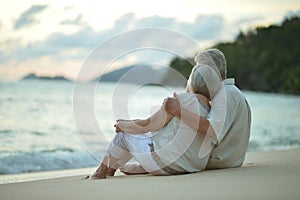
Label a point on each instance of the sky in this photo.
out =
(56, 37)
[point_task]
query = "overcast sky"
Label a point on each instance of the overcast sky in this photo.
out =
(55, 37)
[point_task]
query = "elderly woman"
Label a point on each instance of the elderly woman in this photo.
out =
(164, 144)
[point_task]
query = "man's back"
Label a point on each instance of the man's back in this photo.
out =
(233, 135)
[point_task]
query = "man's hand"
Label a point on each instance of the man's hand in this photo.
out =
(172, 106)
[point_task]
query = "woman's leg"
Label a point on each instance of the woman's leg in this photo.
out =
(121, 149)
(116, 156)
(140, 147)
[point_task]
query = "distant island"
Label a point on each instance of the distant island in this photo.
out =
(137, 73)
(33, 76)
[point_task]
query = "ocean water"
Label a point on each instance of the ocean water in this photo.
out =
(39, 132)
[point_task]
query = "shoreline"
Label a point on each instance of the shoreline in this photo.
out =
(264, 175)
(64, 173)
(43, 175)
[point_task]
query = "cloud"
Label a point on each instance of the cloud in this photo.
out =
(292, 13)
(59, 46)
(76, 21)
(204, 27)
(75, 47)
(27, 18)
(68, 8)
(156, 21)
(126, 21)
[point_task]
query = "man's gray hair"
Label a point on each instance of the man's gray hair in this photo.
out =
(204, 80)
(215, 59)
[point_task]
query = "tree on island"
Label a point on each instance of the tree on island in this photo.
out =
(264, 59)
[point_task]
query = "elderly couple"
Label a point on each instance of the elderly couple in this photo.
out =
(207, 127)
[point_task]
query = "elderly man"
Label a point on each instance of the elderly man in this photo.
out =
(228, 123)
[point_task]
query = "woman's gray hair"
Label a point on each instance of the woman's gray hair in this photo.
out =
(204, 80)
(215, 59)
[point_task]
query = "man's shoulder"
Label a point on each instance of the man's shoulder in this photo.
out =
(234, 92)
(230, 94)
(236, 100)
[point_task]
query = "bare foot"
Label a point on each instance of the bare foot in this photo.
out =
(96, 176)
(110, 171)
(100, 173)
(132, 169)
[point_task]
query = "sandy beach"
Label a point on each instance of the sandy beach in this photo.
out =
(264, 175)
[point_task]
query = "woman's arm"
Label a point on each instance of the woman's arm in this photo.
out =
(139, 126)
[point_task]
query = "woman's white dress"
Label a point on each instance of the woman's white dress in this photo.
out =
(174, 149)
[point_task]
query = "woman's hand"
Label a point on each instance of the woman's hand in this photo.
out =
(117, 125)
(122, 125)
(117, 128)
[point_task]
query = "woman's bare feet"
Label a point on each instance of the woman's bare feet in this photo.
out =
(105, 170)
(132, 169)
(100, 173)
(110, 172)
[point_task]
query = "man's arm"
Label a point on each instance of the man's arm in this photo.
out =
(197, 122)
